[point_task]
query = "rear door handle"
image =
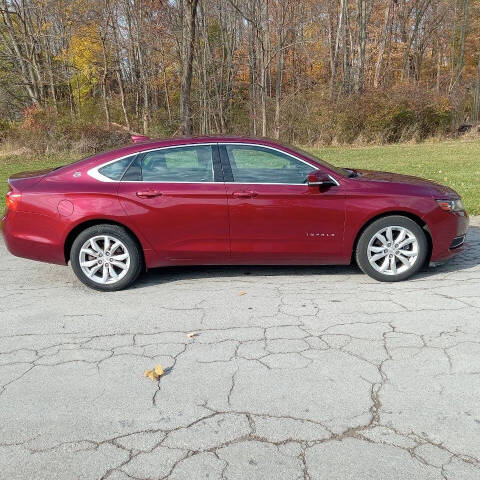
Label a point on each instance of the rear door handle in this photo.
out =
(245, 194)
(149, 194)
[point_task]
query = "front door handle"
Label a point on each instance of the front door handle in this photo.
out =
(245, 194)
(149, 194)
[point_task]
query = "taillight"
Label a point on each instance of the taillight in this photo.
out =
(13, 199)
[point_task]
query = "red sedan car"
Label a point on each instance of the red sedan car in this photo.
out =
(226, 201)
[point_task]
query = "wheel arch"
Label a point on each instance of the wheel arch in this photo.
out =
(77, 229)
(418, 220)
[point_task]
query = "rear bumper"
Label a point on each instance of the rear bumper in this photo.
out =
(33, 236)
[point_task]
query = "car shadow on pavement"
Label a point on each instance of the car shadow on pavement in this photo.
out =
(158, 276)
(465, 260)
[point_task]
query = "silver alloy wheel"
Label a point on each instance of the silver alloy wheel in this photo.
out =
(393, 250)
(104, 259)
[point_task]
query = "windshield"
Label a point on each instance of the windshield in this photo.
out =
(341, 171)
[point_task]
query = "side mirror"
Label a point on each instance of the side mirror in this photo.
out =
(320, 179)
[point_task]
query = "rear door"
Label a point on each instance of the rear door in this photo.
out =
(176, 197)
(274, 216)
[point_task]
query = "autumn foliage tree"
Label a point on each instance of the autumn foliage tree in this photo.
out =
(310, 71)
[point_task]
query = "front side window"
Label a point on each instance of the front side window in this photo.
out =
(178, 164)
(257, 164)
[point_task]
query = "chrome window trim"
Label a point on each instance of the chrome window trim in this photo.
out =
(290, 184)
(94, 172)
(270, 148)
(277, 150)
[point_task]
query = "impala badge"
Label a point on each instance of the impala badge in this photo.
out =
(320, 234)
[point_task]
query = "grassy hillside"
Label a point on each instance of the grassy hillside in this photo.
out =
(10, 164)
(456, 164)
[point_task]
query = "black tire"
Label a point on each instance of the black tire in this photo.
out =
(129, 242)
(361, 253)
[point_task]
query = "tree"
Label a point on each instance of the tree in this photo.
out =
(188, 12)
(308, 71)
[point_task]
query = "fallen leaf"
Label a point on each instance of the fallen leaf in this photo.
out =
(149, 374)
(192, 334)
(241, 293)
(155, 373)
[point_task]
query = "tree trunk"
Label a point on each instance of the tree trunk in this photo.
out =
(167, 96)
(383, 44)
(263, 67)
(53, 92)
(346, 81)
(118, 71)
(104, 83)
(463, 35)
(278, 92)
(476, 98)
(362, 43)
(25, 69)
(284, 9)
(439, 60)
(252, 63)
(455, 86)
(334, 50)
(188, 50)
(122, 97)
(419, 14)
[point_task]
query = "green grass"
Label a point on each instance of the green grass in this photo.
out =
(455, 163)
(10, 164)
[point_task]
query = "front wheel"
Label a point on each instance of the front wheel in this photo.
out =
(392, 249)
(106, 257)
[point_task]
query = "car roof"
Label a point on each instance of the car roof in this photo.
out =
(154, 143)
(170, 142)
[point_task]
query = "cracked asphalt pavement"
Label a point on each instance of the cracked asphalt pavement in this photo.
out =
(295, 373)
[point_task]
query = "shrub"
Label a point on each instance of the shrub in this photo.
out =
(405, 113)
(43, 130)
(402, 114)
(5, 128)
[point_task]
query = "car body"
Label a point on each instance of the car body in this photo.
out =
(222, 201)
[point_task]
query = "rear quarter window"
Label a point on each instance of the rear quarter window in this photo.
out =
(115, 170)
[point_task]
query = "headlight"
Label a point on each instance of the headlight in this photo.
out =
(451, 205)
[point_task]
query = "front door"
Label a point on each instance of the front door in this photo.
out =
(176, 197)
(274, 216)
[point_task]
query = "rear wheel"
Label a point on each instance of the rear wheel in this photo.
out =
(106, 257)
(392, 249)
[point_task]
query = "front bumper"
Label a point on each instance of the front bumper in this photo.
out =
(448, 231)
(457, 242)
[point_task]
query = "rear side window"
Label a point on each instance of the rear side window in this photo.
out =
(179, 164)
(115, 170)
